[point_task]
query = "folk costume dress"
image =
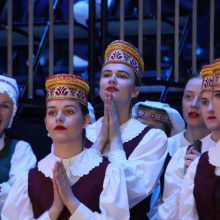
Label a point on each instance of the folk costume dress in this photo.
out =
(99, 185)
(200, 194)
(142, 159)
(175, 175)
(16, 157)
(174, 178)
(201, 184)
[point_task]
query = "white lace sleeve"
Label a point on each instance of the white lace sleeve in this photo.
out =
(187, 206)
(173, 180)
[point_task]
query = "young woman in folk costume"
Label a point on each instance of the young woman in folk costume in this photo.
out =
(200, 195)
(71, 182)
(179, 163)
(123, 139)
(16, 156)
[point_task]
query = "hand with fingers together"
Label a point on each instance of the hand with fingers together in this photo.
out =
(63, 194)
(191, 155)
(57, 205)
(113, 123)
(110, 130)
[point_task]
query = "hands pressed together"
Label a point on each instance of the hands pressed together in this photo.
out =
(110, 130)
(63, 195)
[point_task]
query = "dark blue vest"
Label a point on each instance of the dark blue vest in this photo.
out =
(5, 158)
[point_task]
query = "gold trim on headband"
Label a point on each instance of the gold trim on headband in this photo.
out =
(123, 52)
(207, 75)
(67, 86)
(215, 64)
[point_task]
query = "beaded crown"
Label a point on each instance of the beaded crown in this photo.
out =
(67, 86)
(215, 64)
(207, 76)
(216, 70)
(120, 51)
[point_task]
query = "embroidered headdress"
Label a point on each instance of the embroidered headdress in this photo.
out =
(161, 112)
(9, 85)
(216, 70)
(207, 77)
(120, 51)
(67, 86)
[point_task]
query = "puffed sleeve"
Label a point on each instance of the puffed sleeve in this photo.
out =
(143, 167)
(18, 205)
(113, 201)
(173, 180)
(23, 159)
(187, 207)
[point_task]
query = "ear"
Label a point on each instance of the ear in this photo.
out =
(135, 92)
(86, 120)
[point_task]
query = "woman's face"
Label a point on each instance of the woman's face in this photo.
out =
(191, 103)
(64, 120)
(119, 80)
(6, 110)
(208, 112)
(216, 100)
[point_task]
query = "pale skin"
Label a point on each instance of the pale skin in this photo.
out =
(117, 89)
(6, 110)
(68, 114)
(196, 128)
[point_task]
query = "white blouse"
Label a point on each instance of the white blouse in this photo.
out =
(113, 201)
(176, 142)
(187, 206)
(143, 167)
(173, 181)
(22, 160)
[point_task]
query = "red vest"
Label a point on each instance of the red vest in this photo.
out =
(207, 190)
(87, 190)
(141, 209)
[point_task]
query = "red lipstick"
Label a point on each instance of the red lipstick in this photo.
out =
(193, 115)
(112, 89)
(211, 117)
(59, 127)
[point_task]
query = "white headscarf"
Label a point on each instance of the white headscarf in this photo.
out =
(176, 119)
(9, 85)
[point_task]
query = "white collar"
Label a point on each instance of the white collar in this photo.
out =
(214, 155)
(78, 165)
(129, 130)
(2, 142)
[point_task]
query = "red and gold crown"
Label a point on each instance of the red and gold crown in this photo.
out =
(215, 64)
(216, 70)
(67, 86)
(120, 51)
(153, 113)
(207, 76)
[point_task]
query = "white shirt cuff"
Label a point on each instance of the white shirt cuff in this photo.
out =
(81, 213)
(117, 156)
(44, 216)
